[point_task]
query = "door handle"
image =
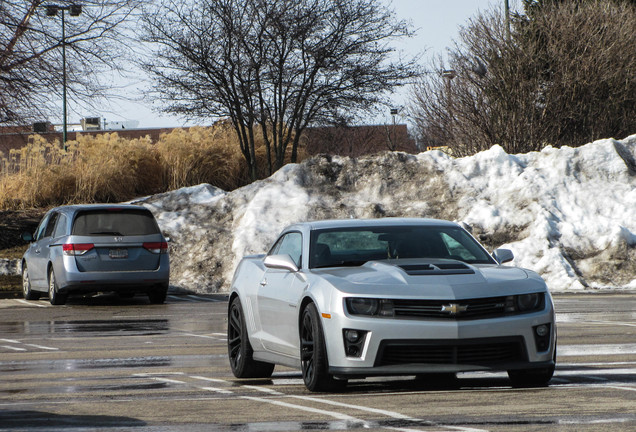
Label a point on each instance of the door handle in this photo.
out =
(264, 282)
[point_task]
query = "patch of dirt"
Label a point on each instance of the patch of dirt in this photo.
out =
(12, 224)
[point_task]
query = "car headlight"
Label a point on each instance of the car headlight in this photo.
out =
(369, 306)
(524, 302)
(362, 306)
(528, 302)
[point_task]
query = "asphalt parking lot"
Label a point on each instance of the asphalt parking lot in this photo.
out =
(104, 363)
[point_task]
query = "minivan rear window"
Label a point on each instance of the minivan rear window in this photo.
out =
(121, 222)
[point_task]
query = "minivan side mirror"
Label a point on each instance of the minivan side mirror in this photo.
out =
(284, 262)
(27, 237)
(503, 255)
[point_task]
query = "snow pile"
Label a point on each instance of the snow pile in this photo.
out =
(566, 213)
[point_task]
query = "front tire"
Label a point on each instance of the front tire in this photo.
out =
(239, 349)
(313, 354)
(27, 291)
(531, 378)
(55, 297)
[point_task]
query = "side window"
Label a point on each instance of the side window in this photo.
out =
(60, 227)
(39, 233)
(290, 244)
(50, 225)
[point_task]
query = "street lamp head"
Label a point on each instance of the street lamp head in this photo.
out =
(75, 10)
(51, 10)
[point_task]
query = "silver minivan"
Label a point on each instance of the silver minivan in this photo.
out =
(81, 249)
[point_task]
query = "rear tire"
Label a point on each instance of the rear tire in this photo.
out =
(239, 349)
(27, 291)
(55, 297)
(313, 354)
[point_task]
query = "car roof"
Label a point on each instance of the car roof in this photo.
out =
(81, 207)
(361, 223)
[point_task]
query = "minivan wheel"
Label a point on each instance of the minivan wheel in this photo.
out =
(27, 291)
(55, 297)
(158, 295)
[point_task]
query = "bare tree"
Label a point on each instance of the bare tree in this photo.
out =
(561, 78)
(31, 61)
(274, 66)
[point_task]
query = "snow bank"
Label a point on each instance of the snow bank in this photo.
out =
(566, 213)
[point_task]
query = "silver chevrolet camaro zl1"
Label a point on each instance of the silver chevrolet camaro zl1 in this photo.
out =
(344, 299)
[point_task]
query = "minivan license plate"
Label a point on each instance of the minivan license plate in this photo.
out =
(118, 253)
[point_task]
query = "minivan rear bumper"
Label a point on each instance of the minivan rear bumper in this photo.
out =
(71, 280)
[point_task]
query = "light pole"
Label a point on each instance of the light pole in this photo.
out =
(51, 11)
(449, 74)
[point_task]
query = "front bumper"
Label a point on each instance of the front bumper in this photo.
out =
(410, 346)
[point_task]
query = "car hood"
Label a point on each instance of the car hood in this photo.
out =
(440, 279)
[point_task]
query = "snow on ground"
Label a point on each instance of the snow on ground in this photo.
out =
(569, 213)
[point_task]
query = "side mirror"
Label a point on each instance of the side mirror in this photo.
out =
(283, 262)
(27, 237)
(503, 255)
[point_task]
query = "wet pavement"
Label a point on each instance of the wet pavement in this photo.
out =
(110, 364)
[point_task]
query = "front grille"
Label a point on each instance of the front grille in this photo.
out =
(454, 309)
(467, 352)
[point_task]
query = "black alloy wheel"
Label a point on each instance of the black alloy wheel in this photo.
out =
(313, 354)
(239, 349)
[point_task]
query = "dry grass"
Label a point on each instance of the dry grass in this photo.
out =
(108, 168)
(11, 284)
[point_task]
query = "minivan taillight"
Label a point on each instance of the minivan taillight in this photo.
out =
(157, 247)
(75, 249)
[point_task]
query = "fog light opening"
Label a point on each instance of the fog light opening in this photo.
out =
(353, 341)
(542, 337)
(541, 330)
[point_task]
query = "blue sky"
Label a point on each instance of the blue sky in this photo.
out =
(437, 23)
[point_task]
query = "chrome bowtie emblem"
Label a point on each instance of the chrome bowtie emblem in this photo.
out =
(454, 308)
(119, 239)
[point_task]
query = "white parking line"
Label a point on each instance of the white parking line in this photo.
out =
(333, 414)
(600, 349)
(17, 342)
(13, 348)
(31, 303)
(42, 347)
(202, 336)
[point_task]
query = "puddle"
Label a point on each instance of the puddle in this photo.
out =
(146, 327)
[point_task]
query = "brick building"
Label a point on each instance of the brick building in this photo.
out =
(345, 141)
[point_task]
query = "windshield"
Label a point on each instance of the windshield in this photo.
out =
(355, 246)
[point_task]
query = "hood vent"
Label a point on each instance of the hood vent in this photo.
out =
(454, 268)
